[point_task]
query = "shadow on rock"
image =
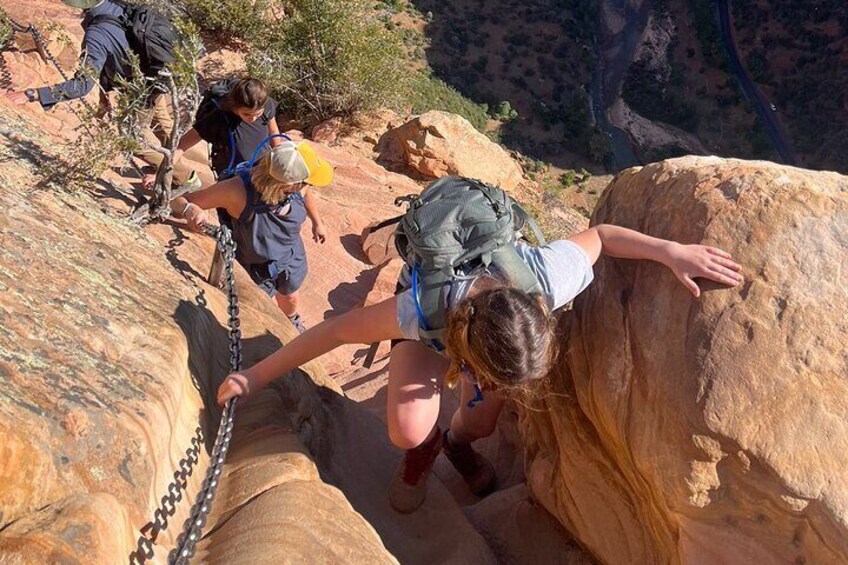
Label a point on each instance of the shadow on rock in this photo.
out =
(209, 363)
(350, 447)
(209, 354)
(349, 295)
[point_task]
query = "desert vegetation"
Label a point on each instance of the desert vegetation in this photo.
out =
(527, 64)
(796, 52)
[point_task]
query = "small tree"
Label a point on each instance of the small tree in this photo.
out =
(331, 58)
(505, 112)
(179, 82)
(568, 179)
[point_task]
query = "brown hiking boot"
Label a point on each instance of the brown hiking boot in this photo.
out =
(409, 485)
(477, 472)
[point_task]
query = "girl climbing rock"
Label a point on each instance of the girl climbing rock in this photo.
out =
(265, 208)
(474, 309)
(235, 117)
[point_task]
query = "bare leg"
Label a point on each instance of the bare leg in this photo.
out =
(416, 375)
(287, 303)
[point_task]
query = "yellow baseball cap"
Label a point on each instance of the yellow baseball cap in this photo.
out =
(320, 171)
(297, 162)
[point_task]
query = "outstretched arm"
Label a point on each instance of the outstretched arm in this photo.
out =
(94, 58)
(363, 325)
(227, 194)
(187, 141)
(687, 262)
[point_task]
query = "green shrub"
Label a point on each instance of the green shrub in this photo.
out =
(331, 58)
(234, 19)
(505, 112)
(568, 179)
(431, 93)
(5, 27)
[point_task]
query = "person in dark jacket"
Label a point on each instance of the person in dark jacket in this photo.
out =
(104, 59)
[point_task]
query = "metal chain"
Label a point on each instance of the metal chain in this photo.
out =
(36, 35)
(193, 527)
(5, 74)
(45, 51)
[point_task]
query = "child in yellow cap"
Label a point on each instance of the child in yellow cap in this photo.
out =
(265, 206)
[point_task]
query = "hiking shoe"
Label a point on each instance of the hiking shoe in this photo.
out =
(193, 182)
(477, 472)
(409, 485)
(297, 323)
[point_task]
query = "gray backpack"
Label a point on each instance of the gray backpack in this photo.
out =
(455, 225)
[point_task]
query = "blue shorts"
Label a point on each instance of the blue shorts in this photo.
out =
(284, 276)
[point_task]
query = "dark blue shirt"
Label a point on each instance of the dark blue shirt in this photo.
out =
(104, 56)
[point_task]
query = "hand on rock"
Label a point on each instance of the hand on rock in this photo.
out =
(18, 98)
(236, 384)
(689, 262)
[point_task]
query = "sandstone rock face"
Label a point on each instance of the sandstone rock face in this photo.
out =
(711, 430)
(111, 348)
(436, 144)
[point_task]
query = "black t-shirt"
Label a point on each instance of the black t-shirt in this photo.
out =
(214, 125)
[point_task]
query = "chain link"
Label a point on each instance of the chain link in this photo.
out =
(193, 527)
(5, 74)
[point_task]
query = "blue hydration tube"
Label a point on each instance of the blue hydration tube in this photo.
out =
(231, 169)
(265, 142)
(422, 321)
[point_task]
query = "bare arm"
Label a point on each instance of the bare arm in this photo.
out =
(687, 262)
(363, 325)
(319, 232)
(227, 194)
(274, 130)
(187, 141)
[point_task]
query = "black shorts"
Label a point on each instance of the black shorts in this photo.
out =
(274, 277)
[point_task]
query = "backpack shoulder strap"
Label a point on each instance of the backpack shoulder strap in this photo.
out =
(429, 307)
(519, 211)
(104, 18)
(387, 223)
